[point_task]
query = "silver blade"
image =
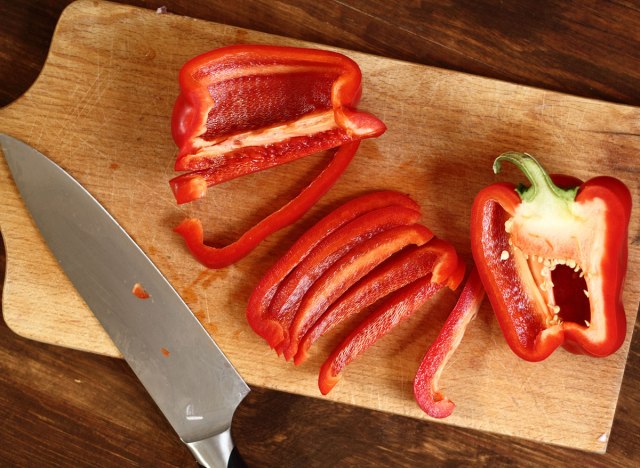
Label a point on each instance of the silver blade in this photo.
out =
(179, 364)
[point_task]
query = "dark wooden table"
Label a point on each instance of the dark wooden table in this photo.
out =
(63, 407)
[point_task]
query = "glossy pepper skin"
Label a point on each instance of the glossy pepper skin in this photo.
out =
(394, 309)
(294, 289)
(437, 258)
(425, 385)
(246, 108)
(348, 270)
(210, 256)
(553, 260)
(370, 250)
(366, 249)
(273, 327)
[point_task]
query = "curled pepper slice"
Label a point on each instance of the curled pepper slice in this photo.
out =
(218, 257)
(425, 384)
(246, 108)
(553, 260)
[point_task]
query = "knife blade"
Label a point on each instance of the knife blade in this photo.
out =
(185, 372)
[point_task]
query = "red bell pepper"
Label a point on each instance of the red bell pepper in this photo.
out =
(218, 257)
(553, 260)
(436, 257)
(245, 108)
(425, 384)
(259, 315)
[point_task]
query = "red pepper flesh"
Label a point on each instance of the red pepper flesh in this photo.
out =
(553, 261)
(437, 257)
(258, 316)
(347, 270)
(425, 384)
(245, 108)
(219, 257)
(290, 293)
(398, 306)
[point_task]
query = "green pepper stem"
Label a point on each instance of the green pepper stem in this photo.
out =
(541, 184)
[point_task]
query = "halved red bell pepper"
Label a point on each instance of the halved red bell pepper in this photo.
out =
(437, 257)
(553, 260)
(425, 384)
(264, 323)
(245, 108)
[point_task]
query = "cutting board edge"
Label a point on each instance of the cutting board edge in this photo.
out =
(25, 95)
(13, 300)
(594, 446)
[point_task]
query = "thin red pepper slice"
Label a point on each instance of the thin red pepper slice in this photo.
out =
(260, 106)
(425, 384)
(346, 271)
(192, 185)
(334, 246)
(213, 257)
(436, 257)
(257, 309)
(398, 306)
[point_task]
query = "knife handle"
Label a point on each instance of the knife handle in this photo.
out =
(217, 451)
(235, 460)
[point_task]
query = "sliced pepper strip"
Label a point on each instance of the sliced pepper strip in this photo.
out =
(553, 260)
(212, 257)
(436, 257)
(257, 309)
(192, 185)
(346, 271)
(425, 384)
(398, 306)
(334, 246)
(259, 106)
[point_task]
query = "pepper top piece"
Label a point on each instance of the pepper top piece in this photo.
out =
(245, 108)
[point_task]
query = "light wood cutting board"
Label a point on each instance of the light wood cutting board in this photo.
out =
(101, 109)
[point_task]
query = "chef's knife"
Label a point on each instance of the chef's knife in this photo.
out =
(179, 364)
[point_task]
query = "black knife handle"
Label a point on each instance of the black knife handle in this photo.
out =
(217, 451)
(235, 460)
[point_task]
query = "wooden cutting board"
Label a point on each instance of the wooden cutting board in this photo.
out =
(101, 109)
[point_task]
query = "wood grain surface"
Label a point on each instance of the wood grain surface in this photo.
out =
(281, 448)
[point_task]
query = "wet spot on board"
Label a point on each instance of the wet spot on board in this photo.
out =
(212, 328)
(203, 281)
(241, 36)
